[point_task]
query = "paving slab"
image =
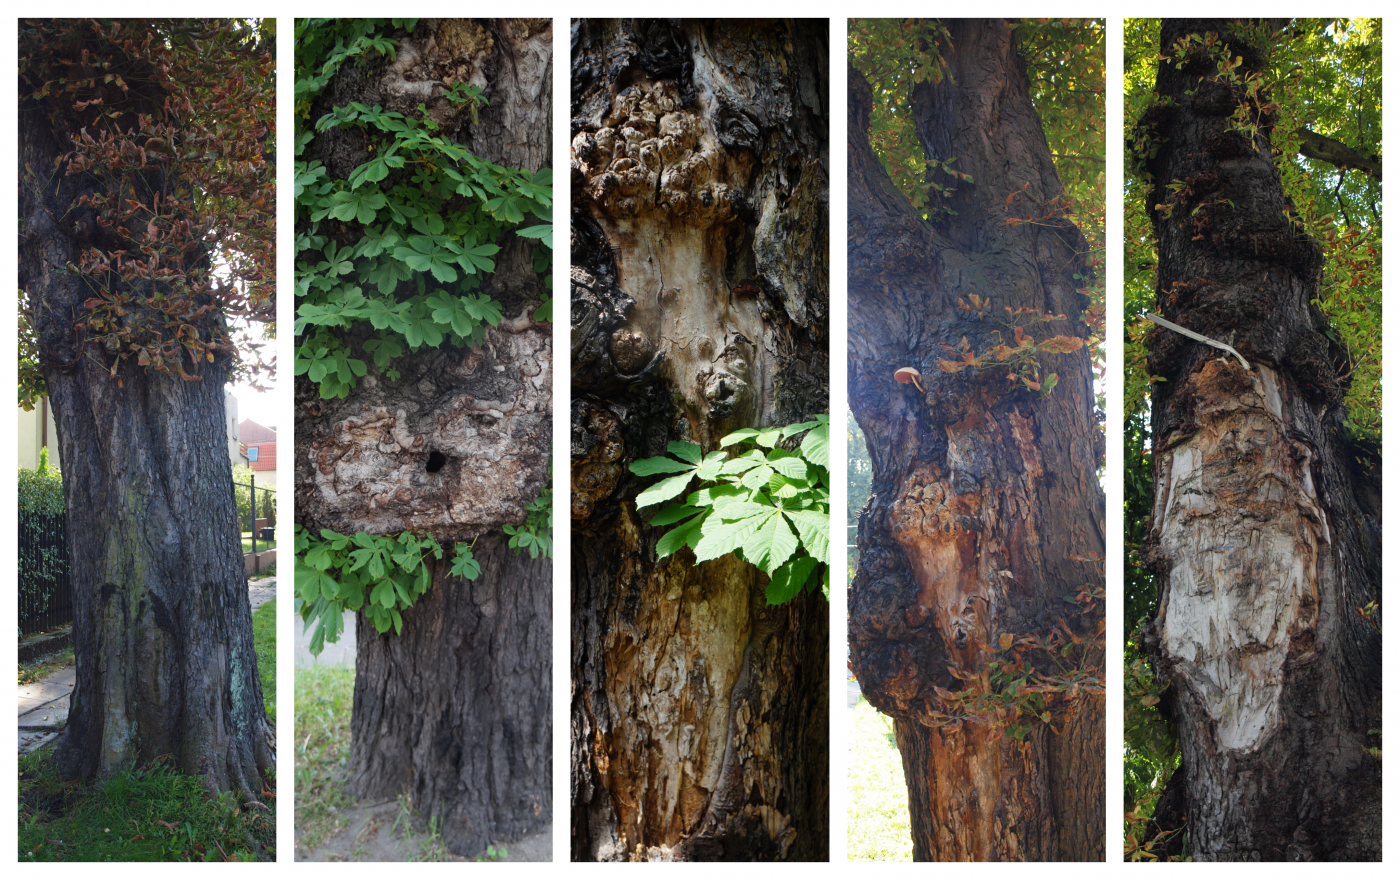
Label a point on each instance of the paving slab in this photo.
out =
(338, 653)
(261, 590)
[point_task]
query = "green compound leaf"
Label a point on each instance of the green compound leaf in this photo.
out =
(789, 579)
(767, 505)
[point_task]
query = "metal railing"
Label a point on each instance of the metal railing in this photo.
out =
(45, 593)
(256, 498)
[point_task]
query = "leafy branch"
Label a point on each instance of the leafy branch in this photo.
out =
(1022, 359)
(1029, 676)
(767, 505)
(403, 242)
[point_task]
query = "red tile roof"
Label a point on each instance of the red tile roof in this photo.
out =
(267, 456)
(250, 431)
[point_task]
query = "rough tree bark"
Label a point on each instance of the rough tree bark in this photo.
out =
(1259, 539)
(162, 629)
(985, 505)
(699, 305)
(455, 709)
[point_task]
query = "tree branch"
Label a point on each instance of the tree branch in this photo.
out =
(1324, 149)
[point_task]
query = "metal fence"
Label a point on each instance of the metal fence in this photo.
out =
(45, 594)
(256, 503)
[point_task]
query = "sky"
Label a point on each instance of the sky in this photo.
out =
(261, 408)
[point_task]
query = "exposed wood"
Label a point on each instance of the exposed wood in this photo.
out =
(699, 305)
(1260, 547)
(985, 509)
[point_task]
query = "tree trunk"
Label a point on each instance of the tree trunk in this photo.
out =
(985, 513)
(1261, 547)
(699, 306)
(455, 709)
(162, 629)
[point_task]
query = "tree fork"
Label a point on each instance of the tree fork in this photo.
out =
(985, 511)
(1261, 547)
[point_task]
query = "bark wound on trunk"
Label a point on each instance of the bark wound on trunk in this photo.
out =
(484, 413)
(699, 304)
(1261, 541)
(981, 493)
(455, 709)
(1241, 523)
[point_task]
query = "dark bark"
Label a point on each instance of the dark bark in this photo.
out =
(162, 630)
(985, 509)
(455, 709)
(1261, 549)
(699, 161)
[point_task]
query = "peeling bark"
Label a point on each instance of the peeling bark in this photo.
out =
(455, 709)
(699, 305)
(985, 506)
(1259, 539)
(162, 628)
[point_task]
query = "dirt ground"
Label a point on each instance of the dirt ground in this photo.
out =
(371, 835)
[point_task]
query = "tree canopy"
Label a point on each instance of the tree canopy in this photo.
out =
(1323, 81)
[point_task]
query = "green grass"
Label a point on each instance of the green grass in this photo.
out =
(149, 813)
(265, 646)
(262, 545)
(44, 667)
(324, 695)
(877, 820)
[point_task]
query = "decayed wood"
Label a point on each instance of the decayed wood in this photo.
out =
(162, 628)
(454, 711)
(985, 509)
(1259, 539)
(699, 303)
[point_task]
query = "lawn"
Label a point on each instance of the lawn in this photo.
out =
(263, 546)
(324, 695)
(150, 813)
(877, 820)
(265, 646)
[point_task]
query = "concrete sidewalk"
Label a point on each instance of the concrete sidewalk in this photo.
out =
(338, 653)
(43, 705)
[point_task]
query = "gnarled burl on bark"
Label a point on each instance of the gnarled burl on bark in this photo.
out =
(455, 710)
(698, 306)
(1262, 543)
(985, 510)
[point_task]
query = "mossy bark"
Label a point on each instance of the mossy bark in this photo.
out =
(162, 629)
